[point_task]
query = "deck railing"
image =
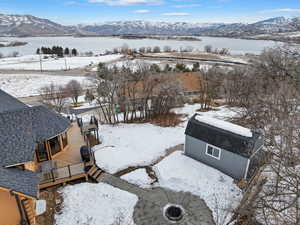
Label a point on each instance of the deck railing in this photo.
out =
(57, 174)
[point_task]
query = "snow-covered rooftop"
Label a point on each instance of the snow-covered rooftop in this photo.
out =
(224, 125)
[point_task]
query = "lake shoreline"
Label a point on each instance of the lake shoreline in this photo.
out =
(101, 44)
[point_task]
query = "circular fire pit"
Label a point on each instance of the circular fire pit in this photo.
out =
(174, 212)
(163, 206)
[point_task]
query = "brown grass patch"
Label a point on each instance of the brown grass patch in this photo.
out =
(168, 120)
(54, 200)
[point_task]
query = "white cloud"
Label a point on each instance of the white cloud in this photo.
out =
(142, 11)
(281, 11)
(127, 2)
(176, 14)
(186, 6)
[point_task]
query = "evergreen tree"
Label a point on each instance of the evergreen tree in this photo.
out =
(74, 52)
(38, 51)
(67, 51)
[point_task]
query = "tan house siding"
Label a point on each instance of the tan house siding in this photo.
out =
(9, 212)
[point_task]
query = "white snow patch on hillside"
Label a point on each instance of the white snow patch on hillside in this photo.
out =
(22, 85)
(181, 173)
(224, 125)
(138, 177)
(95, 204)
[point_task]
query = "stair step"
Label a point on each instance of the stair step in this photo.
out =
(29, 212)
(97, 173)
(100, 177)
(92, 170)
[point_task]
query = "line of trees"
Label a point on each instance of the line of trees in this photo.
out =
(269, 91)
(57, 50)
(156, 49)
(56, 96)
(138, 95)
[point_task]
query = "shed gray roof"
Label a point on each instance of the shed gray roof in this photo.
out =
(222, 138)
(9, 103)
(23, 181)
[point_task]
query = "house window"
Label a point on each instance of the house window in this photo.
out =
(54, 146)
(41, 152)
(64, 138)
(213, 151)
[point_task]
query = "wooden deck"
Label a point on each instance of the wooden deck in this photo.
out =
(63, 180)
(69, 165)
(72, 154)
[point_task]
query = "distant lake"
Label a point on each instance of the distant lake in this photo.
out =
(100, 44)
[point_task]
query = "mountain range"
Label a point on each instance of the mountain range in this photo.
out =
(28, 25)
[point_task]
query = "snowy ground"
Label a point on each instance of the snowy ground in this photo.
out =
(138, 177)
(141, 144)
(95, 204)
(134, 145)
(22, 85)
(126, 145)
(32, 62)
(181, 173)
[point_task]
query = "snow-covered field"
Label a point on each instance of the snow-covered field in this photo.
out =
(181, 173)
(32, 62)
(22, 85)
(95, 204)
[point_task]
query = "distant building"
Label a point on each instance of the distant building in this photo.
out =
(232, 149)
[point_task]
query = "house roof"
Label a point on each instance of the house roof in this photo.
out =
(223, 138)
(23, 181)
(9, 103)
(189, 81)
(21, 129)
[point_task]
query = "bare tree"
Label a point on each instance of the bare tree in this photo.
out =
(210, 82)
(208, 48)
(142, 49)
(167, 48)
(274, 106)
(156, 49)
(74, 90)
(124, 48)
(54, 96)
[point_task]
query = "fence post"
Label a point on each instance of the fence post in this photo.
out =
(52, 174)
(69, 168)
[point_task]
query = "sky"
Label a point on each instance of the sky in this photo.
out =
(71, 12)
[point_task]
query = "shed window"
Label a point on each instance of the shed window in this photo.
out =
(213, 151)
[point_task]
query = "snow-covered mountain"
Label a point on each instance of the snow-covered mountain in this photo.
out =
(27, 25)
(146, 27)
(273, 25)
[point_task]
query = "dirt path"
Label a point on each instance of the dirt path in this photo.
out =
(149, 169)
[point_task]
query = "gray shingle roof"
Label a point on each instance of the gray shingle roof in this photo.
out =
(23, 181)
(9, 103)
(221, 138)
(21, 128)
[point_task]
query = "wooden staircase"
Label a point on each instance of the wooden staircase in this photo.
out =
(95, 173)
(29, 211)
